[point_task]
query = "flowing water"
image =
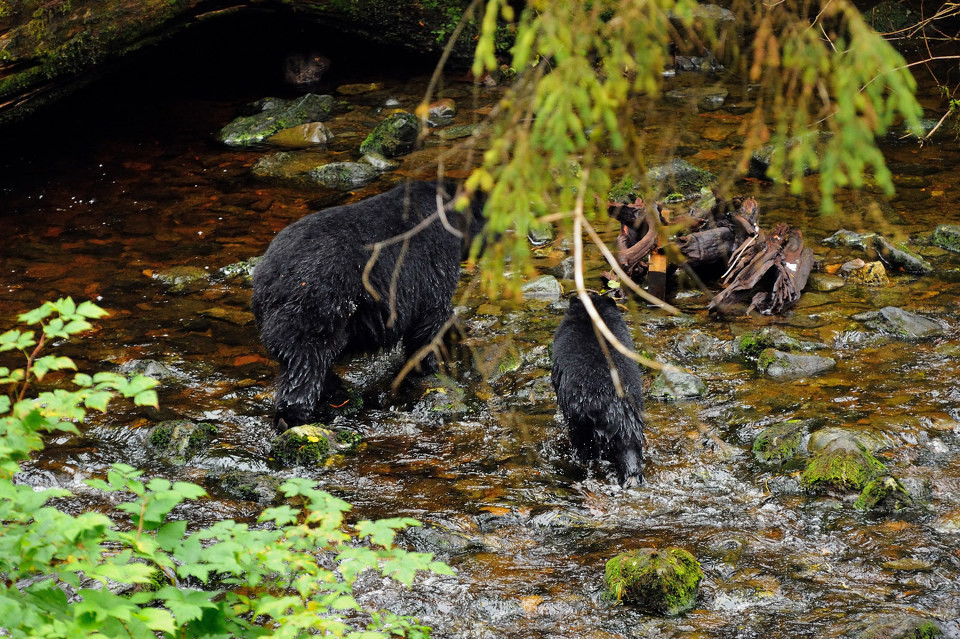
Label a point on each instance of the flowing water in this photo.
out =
(105, 192)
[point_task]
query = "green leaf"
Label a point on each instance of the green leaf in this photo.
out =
(157, 619)
(147, 398)
(186, 605)
(90, 310)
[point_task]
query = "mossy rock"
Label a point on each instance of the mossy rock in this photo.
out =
(901, 257)
(844, 465)
(779, 443)
(663, 581)
(947, 236)
(180, 439)
(678, 178)
(902, 626)
(779, 365)
(312, 444)
(751, 345)
(869, 274)
(884, 494)
(276, 115)
(307, 445)
(344, 175)
(248, 486)
(394, 136)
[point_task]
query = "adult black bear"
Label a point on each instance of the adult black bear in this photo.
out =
(311, 303)
(601, 423)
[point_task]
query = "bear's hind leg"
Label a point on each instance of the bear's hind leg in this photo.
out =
(423, 333)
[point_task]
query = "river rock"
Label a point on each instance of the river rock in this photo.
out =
(379, 162)
(441, 112)
(750, 345)
(564, 269)
(286, 166)
(545, 287)
(276, 114)
(850, 239)
(540, 234)
(312, 444)
(705, 98)
(678, 176)
(697, 344)
(243, 270)
(457, 132)
(779, 365)
(439, 540)
(662, 581)
(394, 136)
(248, 486)
(844, 464)
(359, 88)
(900, 323)
(675, 383)
(314, 134)
(867, 273)
(183, 279)
(233, 316)
(899, 626)
(947, 236)
(884, 494)
(180, 439)
(899, 256)
(344, 175)
(779, 443)
(824, 283)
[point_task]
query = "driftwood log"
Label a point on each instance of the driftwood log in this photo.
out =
(765, 271)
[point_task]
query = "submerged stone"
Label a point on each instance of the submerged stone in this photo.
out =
(344, 175)
(662, 581)
(824, 283)
(884, 495)
(947, 236)
(276, 114)
(441, 112)
(899, 256)
(379, 162)
(675, 383)
(457, 132)
(696, 343)
(540, 234)
(394, 136)
(845, 464)
(242, 269)
(779, 443)
(779, 365)
(900, 323)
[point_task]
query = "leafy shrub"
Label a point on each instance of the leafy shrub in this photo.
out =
(88, 576)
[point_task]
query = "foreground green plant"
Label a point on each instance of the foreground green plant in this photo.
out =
(88, 576)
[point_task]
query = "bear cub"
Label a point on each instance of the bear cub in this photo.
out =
(601, 423)
(311, 303)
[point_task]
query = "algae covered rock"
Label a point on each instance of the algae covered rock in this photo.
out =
(947, 236)
(779, 365)
(675, 383)
(899, 256)
(844, 464)
(311, 134)
(394, 136)
(867, 273)
(312, 444)
(183, 279)
(902, 626)
(779, 443)
(249, 486)
(751, 345)
(884, 494)
(275, 115)
(344, 175)
(850, 239)
(676, 177)
(663, 581)
(900, 323)
(180, 439)
(545, 287)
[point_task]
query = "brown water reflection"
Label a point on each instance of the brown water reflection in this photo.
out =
(98, 209)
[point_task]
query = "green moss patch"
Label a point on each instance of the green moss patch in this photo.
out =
(844, 466)
(885, 495)
(313, 444)
(778, 443)
(394, 136)
(663, 581)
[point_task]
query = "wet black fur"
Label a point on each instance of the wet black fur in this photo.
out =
(311, 304)
(601, 423)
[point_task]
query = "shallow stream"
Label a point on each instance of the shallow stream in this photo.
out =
(104, 193)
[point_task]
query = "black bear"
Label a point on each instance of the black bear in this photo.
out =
(357, 278)
(602, 424)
